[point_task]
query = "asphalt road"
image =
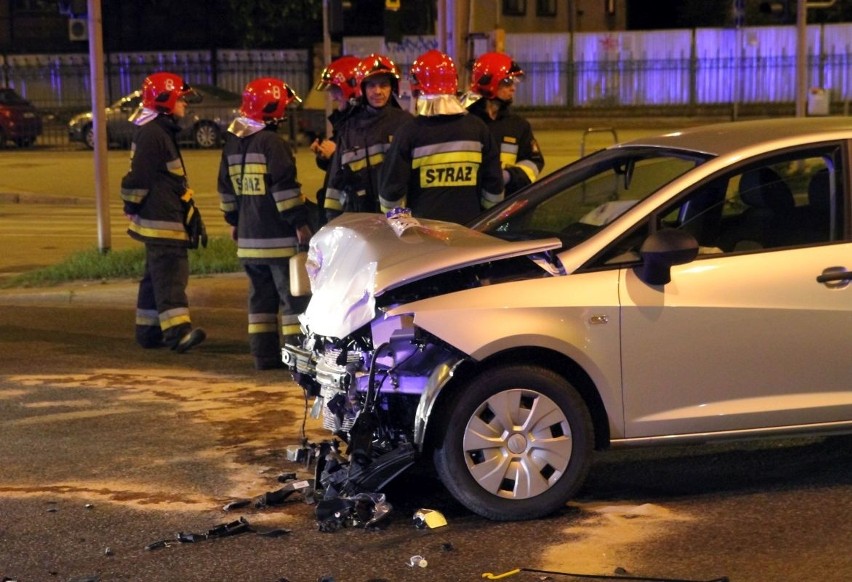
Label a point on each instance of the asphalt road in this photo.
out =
(106, 448)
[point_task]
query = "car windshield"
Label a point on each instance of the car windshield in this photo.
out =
(580, 199)
(9, 97)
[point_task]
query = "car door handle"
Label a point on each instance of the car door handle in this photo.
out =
(835, 277)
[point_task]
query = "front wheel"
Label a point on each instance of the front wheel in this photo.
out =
(516, 443)
(206, 135)
(89, 136)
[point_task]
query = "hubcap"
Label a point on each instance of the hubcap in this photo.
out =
(517, 444)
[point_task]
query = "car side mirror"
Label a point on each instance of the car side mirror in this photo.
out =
(661, 251)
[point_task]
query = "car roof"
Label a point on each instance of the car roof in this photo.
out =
(217, 92)
(726, 138)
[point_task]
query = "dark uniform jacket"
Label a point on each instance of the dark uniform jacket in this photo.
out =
(520, 155)
(155, 191)
(362, 142)
(443, 167)
(259, 194)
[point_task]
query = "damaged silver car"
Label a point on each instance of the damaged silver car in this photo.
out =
(685, 288)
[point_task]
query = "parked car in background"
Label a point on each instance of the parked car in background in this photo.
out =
(203, 125)
(20, 123)
(680, 289)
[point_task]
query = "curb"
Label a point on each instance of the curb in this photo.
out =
(35, 198)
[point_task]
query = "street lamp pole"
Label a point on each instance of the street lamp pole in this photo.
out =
(96, 73)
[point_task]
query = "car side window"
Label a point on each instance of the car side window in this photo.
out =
(791, 200)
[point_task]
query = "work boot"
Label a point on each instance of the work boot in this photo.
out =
(268, 363)
(190, 340)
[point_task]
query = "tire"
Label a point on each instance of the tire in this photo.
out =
(206, 135)
(25, 142)
(89, 136)
(515, 443)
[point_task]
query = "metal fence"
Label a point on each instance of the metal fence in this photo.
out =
(591, 71)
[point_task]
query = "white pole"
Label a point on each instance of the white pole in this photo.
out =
(96, 73)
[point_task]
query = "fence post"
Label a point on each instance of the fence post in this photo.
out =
(693, 71)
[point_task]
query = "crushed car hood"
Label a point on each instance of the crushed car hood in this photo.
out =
(359, 256)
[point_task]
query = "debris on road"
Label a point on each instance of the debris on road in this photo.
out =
(231, 528)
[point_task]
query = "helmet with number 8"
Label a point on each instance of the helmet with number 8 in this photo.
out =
(161, 91)
(492, 69)
(266, 100)
(341, 73)
(434, 73)
(374, 65)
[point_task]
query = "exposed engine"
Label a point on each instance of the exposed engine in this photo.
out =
(374, 389)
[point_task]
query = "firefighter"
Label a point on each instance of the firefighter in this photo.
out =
(158, 202)
(262, 201)
(492, 90)
(444, 164)
(364, 138)
(338, 78)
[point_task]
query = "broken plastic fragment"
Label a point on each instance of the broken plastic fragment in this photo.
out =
(361, 510)
(430, 518)
(228, 529)
(190, 538)
(305, 487)
(236, 504)
(417, 561)
(156, 545)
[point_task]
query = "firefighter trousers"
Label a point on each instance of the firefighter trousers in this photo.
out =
(162, 307)
(269, 299)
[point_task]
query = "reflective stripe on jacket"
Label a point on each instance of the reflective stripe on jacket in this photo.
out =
(520, 155)
(153, 188)
(259, 194)
(444, 167)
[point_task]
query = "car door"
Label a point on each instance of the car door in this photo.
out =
(753, 334)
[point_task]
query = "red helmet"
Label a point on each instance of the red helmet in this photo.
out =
(490, 70)
(161, 91)
(266, 99)
(434, 73)
(341, 73)
(373, 65)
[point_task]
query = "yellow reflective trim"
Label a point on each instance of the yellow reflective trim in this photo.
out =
(250, 169)
(158, 233)
(530, 173)
(263, 328)
(446, 158)
(375, 160)
(265, 253)
(291, 329)
(508, 159)
(175, 167)
(288, 204)
(169, 322)
(134, 195)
